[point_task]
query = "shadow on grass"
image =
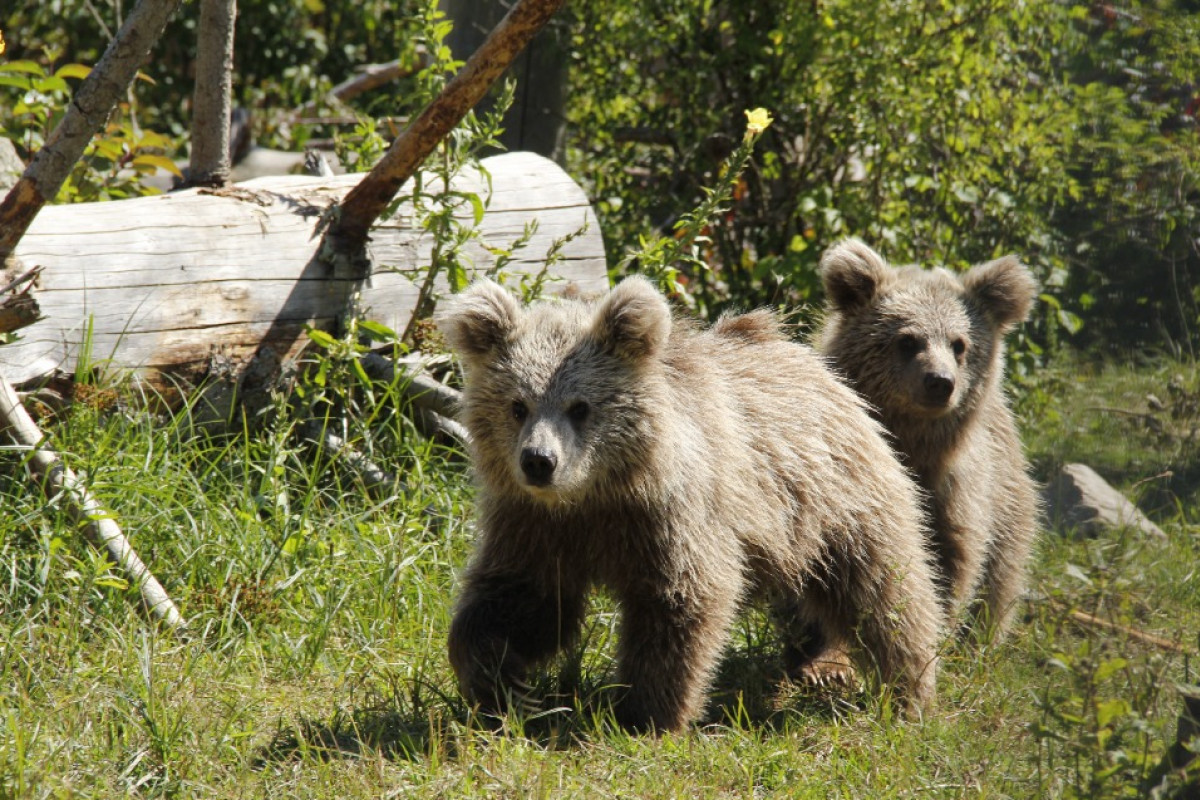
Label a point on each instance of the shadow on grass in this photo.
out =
(748, 693)
(380, 729)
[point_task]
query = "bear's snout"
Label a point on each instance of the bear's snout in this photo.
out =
(939, 385)
(538, 464)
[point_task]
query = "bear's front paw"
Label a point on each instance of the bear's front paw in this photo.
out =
(829, 669)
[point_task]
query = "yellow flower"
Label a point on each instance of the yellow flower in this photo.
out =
(757, 121)
(1, 43)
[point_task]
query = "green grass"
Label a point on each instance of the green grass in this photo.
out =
(314, 663)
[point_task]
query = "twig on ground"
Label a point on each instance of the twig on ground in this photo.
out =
(60, 484)
(1091, 621)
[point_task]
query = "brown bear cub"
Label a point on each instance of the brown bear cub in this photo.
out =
(683, 470)
(926, 349)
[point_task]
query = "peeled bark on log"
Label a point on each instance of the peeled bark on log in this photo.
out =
(61, 485)
(165, 283)
(19, 310)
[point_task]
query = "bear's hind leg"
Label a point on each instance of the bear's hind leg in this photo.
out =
(900, 627)
(669, 648)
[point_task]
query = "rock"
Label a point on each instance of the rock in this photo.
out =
(1080, 501)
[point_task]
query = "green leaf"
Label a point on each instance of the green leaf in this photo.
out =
(51, 84)
(154, 139)
(377, 330)
(1109, 710)
(321, 338)
(112, 583)
(157, 162)
(1108, 668)
(360, 372)
(31, 67)
(1072, 322)
(16, 82)
(73, 71)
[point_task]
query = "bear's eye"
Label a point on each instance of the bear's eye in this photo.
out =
(959, 346)
(519, 411)
(908, 345)
(579, 411)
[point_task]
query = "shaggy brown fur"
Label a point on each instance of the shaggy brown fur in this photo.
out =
(684, 470)
(926, 348)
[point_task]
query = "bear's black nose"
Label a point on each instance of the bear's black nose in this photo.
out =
(938, 386)
(538, 465)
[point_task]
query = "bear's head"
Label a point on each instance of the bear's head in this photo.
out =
(920, 343)
(557, 395)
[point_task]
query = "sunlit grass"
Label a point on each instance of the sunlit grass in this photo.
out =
(313, 664)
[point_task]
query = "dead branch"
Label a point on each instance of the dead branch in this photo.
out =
(372, 76)
(87, 112)
(364, 204)
(421, 387)
(443, 430)
(60, 484)
(1090, 621)
(374, 479)
(434, 404)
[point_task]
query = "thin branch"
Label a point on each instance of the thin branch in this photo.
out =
(370, 197)
(89, 109)
(372, 76)
(60, 484)
(27, 275)
(1086, 620)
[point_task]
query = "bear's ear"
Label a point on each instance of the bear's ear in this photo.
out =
(633, 321)
(478, 319)
(851, 272)
(1003, 288)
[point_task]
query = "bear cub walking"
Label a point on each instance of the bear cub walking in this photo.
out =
(926, 349)
(684, 470)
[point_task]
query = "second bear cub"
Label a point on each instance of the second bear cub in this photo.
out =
(926, 349)
(683, 470)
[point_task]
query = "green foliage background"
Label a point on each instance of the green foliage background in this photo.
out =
(943, 132)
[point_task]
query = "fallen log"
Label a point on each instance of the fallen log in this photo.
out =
(162, 284)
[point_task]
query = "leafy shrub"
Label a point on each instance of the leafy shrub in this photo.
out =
(943, 132)
(113, 162)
